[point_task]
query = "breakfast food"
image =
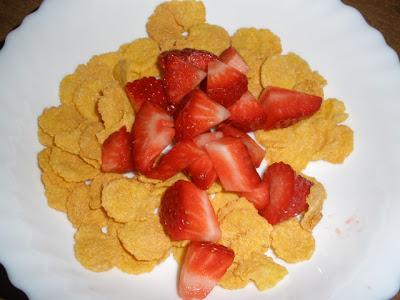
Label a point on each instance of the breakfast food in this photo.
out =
(148, 153)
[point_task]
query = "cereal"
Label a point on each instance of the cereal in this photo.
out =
(307, 140)
(96, 188)
(145, 239)
(126, 200)
(56, 120)
(243, 229)
(221, 199)
(67, 88)
(78, 210)
(141, 54)
(85, 99)
(315, 202)
(291, 242)
(207, 37)
(286, 71)
(95, 250)
(311, 87)
(129, 264)
(56, 195)
(89, 146)
(44, 138)
(69, 140)
(262, 270)
(179, 254)
(231, 281)
(256, 44)
(71, 167)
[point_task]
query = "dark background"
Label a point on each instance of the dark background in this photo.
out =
(384, 15)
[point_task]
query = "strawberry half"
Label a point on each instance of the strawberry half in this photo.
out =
(152, 131)
(247, 114)
(258, 196)
(180, 78)
(116, 152)
(285, 107)
(255, 151)
(232, 58)
(186, 213)
(203, 266)
(281, 180)
(298, 203)
(146, 89)
(233, 164)
(199, 115)
(197, 58)
(225, 84)
(177, 159)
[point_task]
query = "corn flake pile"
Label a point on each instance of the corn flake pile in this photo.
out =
(115, 217)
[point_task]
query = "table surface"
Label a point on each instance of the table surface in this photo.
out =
(384, 15)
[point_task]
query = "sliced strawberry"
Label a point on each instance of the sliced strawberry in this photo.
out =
(281, 180)
(146, 89)
(152, 132)
(186, 214)
(225, 84)
(233, 164)
(298, 203)
(285, 107)
(116, 152)
(197, 58)
(256, 152)
(199, 115)
(177, 159)
(203, 266)
(247, 114)
(180, 78)
(258, 196)
(232, 58)
(205, 138)
(202, 172)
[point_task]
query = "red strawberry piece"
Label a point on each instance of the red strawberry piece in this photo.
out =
(247, 114)
(258, 196)
(256, 152)
(285, 107)
(205, 138)
(232, 58)
(225, 84)
(298, 203)
(152, 131)
(233, 164)
(203, 266)
(180, 78)
(199, 115)
(281, 180)
(197, 58)
(202, 172)
(186, 213)
(176, 160)
(116, 152)
(146, 89)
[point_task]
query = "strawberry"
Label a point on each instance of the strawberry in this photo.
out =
(203, 266)
(152, 132)
(233, 164)
(180, 78)
(176, 160)
(205, 138)
(256, 152)
(197, 58)
(186, 213)
(199, 115)
(285, 107)
(281, 180)
(232, 58)
(116, 153)
(146, 89)
(298, 203)
(225, 84)
(247, 114)
(202, 172)
(258, 196)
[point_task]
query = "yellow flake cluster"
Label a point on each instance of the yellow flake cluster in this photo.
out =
(116, 218)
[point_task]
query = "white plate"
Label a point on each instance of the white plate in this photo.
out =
(358, 243)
